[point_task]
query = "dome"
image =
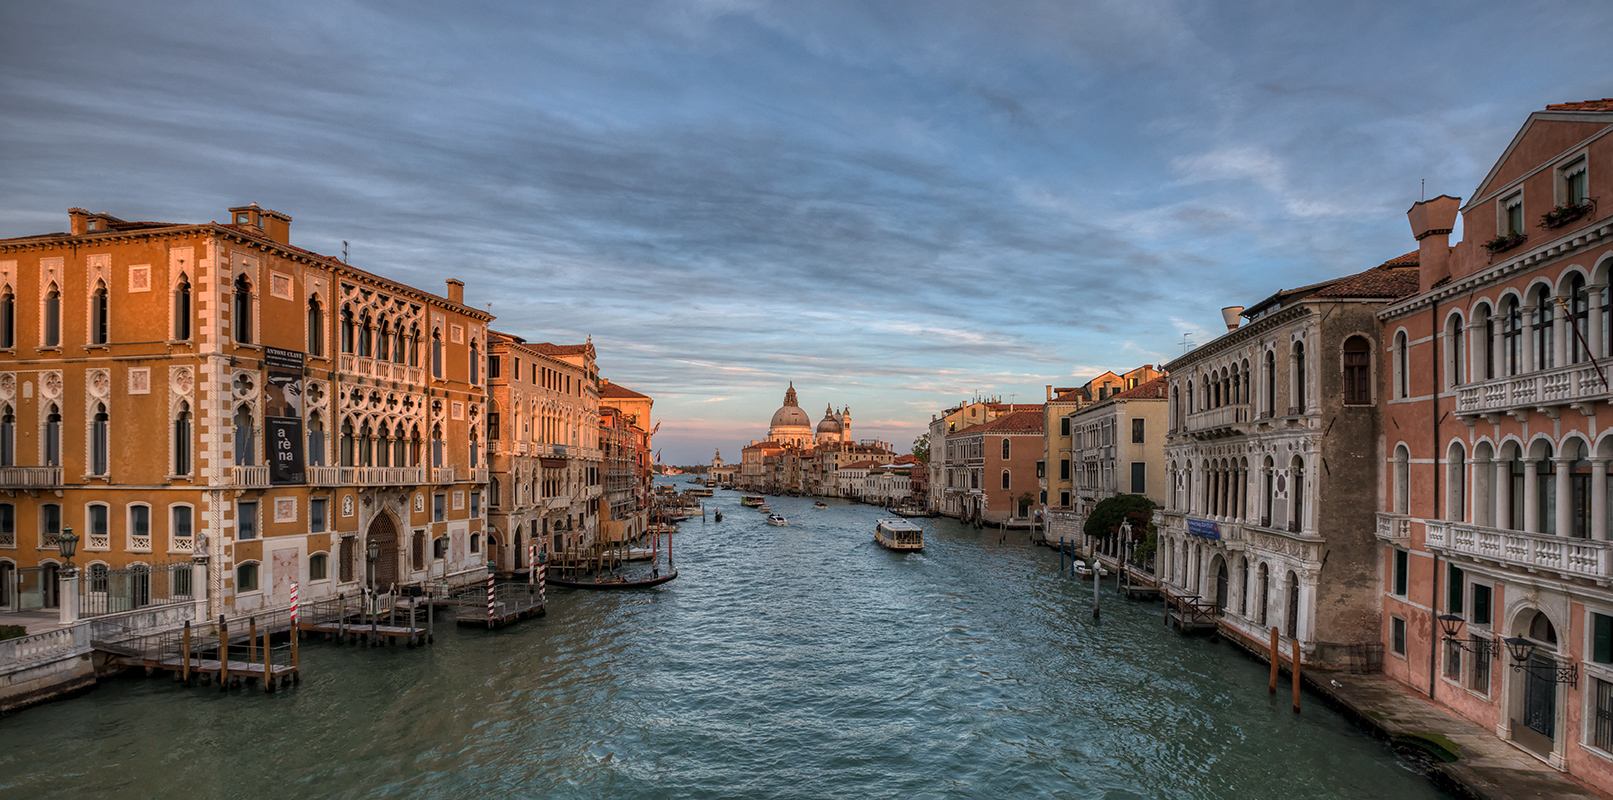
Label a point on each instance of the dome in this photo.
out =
(790, 414)
(829, 423)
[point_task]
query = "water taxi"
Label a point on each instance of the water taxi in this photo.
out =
(752, 500)
(777, 520)
(899, 534)
(819, 504)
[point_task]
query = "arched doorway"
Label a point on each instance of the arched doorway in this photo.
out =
(1534, 722)
(1221, 589)
(384, 533)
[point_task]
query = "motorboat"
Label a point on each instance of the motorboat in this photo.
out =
(777, 520)
(899, 534)
(819, 504)
(752, 500)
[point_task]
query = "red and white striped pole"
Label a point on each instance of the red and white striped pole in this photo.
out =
(293, 609)
(490, 614)
(531, 563)
(543, 577)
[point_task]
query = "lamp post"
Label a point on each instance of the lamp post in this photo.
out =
(67, 599)
(372, 552)
(1522, 650)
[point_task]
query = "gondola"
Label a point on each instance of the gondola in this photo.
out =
(621, 584)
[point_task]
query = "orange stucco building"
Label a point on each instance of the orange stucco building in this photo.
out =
(228, 414)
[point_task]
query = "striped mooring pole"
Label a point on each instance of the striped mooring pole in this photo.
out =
(531, 563)
(490, 594)
(294, 609)
(543, 577)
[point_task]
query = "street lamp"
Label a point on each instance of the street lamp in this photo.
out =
(67, 543)
(1451, 623)
(1521, 649)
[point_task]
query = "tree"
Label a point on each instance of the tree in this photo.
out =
(921, 449)
(1109, 514)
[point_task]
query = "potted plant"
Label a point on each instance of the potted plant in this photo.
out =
(1564, 214)
(1505, 241)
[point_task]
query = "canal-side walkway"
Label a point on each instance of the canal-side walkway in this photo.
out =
(1485, 767)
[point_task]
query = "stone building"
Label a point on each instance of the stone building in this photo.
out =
(218, 414)
(1493, 381)
(992, 468)
(624, 419)
(1271, 464)
(1117, 446)
(1058, 482)
(545, 485)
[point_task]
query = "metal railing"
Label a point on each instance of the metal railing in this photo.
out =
(110, 591)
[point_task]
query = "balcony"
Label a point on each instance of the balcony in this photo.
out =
(478, 475)
(324, 476)
(382, 476)
(443, 475)
(250, 476)
(30, 477)
(1573, 384)
(1532, 552)
(1394, 529)
(1217, 422)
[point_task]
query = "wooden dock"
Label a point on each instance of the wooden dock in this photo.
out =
(512, 602)
(1190, 615)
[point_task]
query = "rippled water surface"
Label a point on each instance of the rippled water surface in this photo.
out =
(783, 662)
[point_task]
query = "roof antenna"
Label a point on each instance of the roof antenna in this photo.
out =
(344, 251)
(1425, 188)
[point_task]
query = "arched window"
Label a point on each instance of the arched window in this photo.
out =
(347, 329)
(53, 436)
(1545, 307)
(436, 447)
(1357, 371)
(1545, 490)
(1579, 477)
(100, 311)
(414, 346)
(398, 445)
(244, 443)
(1579, 316)
(347, 443)
(99, 443)
(8, 437)
(243, 309)
(316, 439)
(1486, 323)
(182, 439)
(383, 342)
(1456, 350)
(1005, 448)
(383, 447)
(399, 345)
(316, 327)
(366, 333)
(1005, 480)
(182, 309)
(475, 363)
(52, 316)
(8, 318)
(1402, 480)
(364, 449)
(1271, 384)
(1456, 483)
(1292, 617)
(475, 450)
(1512, 335)
(1402, 367)
(436, 354)
(1299, 378)
(1296, 494)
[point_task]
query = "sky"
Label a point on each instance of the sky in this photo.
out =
(896, 205)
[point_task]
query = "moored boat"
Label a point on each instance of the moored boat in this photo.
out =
(899, 534)
(777, 520)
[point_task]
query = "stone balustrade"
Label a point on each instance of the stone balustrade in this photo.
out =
(1535, 552)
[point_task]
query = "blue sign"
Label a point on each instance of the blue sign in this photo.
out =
(1204, 527)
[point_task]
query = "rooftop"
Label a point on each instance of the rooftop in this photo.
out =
(1017, 422)
(1605, 104)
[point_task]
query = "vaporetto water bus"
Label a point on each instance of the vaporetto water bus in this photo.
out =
(899, 534)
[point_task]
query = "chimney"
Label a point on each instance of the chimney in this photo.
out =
(1230, 315)
(76, 217)
(1431, 224)
(1050, 391)
(456, 290)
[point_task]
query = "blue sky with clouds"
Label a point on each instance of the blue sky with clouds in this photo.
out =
(896, 205)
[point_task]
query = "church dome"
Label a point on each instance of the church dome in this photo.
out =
(790, 414)
(829, 423)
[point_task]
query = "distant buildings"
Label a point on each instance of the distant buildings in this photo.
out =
(796, 459)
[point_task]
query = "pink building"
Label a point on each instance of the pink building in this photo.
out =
(1494, 383)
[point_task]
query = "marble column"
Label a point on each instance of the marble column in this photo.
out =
(1528, 341)
(1501, 486)
(1593, 321)
(1531, 496)
(1562, 332)
(1599, 499)
(1564, 468)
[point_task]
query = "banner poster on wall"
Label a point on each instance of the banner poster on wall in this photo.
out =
(283, 413)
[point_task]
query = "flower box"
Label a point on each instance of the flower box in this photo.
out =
(1564, 214)
(1506, 242)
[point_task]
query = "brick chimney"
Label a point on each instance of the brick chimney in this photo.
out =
(456, 290)
(1431, 224)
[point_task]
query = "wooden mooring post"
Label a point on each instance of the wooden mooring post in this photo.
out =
(1296, 675)
(251, 639)
(184, 651)
(1276, 660)
(268, 673)
(223, 654)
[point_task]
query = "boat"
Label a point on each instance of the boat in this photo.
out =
(819, 504)
(1084, 571)
(777, 520)
(765, 508)
(699, 492)
(899, 534)
(752, 500)
(613, 583)
(716, 516)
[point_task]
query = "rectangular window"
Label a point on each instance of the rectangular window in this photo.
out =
(1005, 479)
(1455, 590)
(1064, 474)
(1137, 434)
(140, 524)
(1453, 659)
(316, 514)
(8, 525)
(1512, 215)
(1481, 605)
(1602, 734)
(476, 506)
(318, 567)
(99, 526)
(1139, 478)
(493, 363)
(246, 578)
(1397, 635)
(246, 520)
(439, 507)
(1064, 501)
(1402, 572)
(1478, 679)
(1602, 639)
(181, 527)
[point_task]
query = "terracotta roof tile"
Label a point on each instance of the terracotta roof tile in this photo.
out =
(1396, 277)
(1605, 104)
(1017, 422)
(614, 390)
(1155, 389)
(545, 348)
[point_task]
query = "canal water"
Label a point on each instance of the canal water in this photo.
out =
(783, 662)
